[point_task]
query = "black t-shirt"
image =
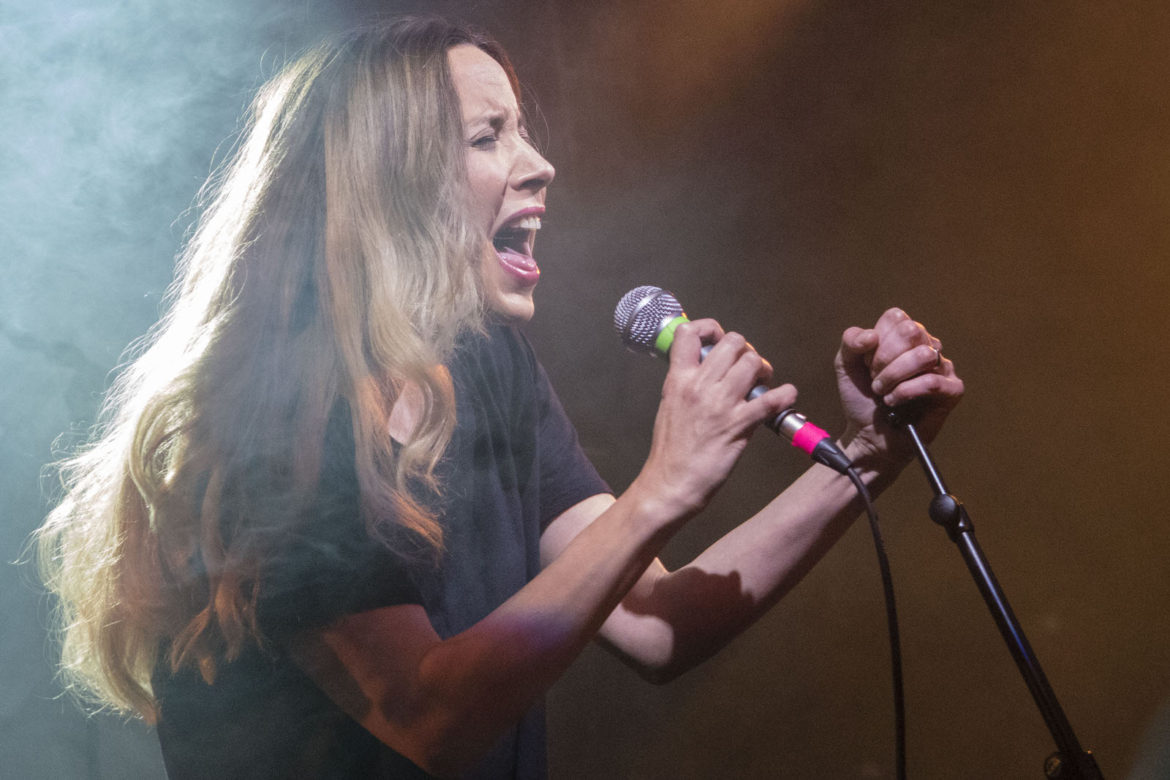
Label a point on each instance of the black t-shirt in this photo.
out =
(513, 465)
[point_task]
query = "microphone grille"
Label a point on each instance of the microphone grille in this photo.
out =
(642, 313)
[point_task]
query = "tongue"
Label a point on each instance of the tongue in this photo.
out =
(521, 265)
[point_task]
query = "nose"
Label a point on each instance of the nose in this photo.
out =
(532, 171)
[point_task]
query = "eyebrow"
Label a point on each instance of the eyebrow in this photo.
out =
(497, 115)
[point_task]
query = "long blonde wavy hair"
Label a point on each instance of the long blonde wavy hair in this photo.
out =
(333, 266)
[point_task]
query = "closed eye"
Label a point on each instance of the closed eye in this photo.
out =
(496, 124)
(485, 141)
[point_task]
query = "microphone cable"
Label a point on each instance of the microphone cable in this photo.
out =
(645, 318)
(891, 624)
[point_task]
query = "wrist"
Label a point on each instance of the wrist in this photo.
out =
(659, 501)
(874, 461)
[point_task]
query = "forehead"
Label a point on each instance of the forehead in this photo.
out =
(479, 80)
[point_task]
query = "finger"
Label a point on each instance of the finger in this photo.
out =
(917, 360)
(749, 370)
(856, 342)
(689, 338)
(890, 319)
(771, 403)
(898, 338)
(944, 384)
(723, 356)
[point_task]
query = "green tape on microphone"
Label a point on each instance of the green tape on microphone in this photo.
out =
(666, 335)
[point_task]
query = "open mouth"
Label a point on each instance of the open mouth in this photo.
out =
(513, 244)
(517, 236)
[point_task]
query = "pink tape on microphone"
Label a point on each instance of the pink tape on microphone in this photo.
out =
(808, 437)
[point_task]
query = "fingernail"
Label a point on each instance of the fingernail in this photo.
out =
(876, 387)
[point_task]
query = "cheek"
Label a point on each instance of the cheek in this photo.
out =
(487, 188)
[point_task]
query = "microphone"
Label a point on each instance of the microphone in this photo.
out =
(646, 318)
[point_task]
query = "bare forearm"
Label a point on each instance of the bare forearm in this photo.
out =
(529, 640)
(674, 620)
(774, 549)
(444, 703)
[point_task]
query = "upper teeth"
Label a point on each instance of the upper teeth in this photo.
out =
(528, 223)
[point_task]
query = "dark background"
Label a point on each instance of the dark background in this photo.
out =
(998, 169)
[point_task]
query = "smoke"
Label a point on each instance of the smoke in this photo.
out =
(111, 112)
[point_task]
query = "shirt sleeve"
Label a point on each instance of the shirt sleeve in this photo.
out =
(567, 476)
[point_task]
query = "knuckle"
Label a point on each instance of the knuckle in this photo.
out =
(710, 327)
(735, 339)
(909, 329)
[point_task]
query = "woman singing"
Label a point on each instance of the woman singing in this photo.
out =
(335, 523)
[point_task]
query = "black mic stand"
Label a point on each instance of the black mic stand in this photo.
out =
(1070, 761)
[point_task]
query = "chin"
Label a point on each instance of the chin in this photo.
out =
(513, 307)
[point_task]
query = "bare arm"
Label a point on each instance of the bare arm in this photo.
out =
(443, 703)
(672, 620)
